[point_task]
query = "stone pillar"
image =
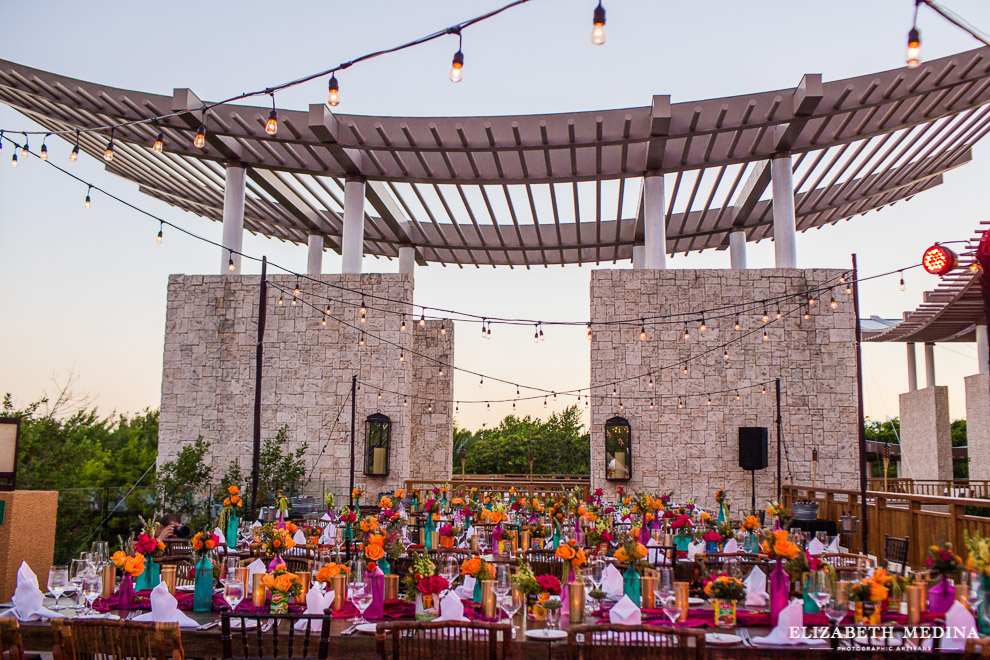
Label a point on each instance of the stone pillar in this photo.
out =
(978, 425)
(912, 367)
(639, 255)
(982, 349)
(352, 248)
(233, 218)
(737, 250)
(407, 260)
(784, 223)
(314, 259)
(654, 223)
(930, 364)
(926, 437)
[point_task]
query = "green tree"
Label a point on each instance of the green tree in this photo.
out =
(184, 484)
(888, 432)
(559, 446)
(281, 470)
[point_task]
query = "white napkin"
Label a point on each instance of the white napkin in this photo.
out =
(960, 621)
(466, 543)
(165, 609)
(316, 603)
(626, 613)
(299, 537)
(791, 620)
(695, 548)
(451, 608)
(257, 566)
(653, 554)
(329, 535)
(756, 588)
(612, 582)
(815, 547)
(256, 523)
(219, 533)
(466, 590)
(834, 545)
(28, 598)
(731, 545)
(326, 517)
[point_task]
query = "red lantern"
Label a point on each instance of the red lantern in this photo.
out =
(939, 260)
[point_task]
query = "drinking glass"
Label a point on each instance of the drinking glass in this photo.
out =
(450, 569)
(671, 607)
(817, 586)
(233, 592)
(92, 560)
(512, 603)
(822, 536)
(77, 569)
(553, 616)
(102, 550)
(91, 588)
(975, 593)
(838, 603)
(597, 569)
(358, 569)
(58, 580)
(362, 600)
(230, 569)
(665, 579)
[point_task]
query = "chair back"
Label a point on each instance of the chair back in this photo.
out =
(895, 551)
(472, 640)
(272, 636)
(544, 562)
(709, 562)
(847, 566)
(978, 648)
(608, 641)
(11, 643)
(664, 556)
(104, 639)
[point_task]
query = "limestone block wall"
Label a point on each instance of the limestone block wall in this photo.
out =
(694, 451)
(926, 435)
(978, 425)
(208, 376)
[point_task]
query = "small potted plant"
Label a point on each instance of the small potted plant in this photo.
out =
(725, 592)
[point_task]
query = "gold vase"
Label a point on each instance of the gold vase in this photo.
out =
(648, 587)
(258, 590)
(575, 603)
(681, 590)
(524, 540)
(391, 587)
(304, 579)
(339, 585)
(168, 577)
(109, 580)
(488, 604)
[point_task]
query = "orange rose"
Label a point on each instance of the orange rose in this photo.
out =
(579, 558)
(377, 539)
(374, 552)
(621, 555)
(471, 566)
(284, 582)
(210, 544)
(640, 551)
(267, 580)
(234, 490)
(565, 552)
(118, 558)
(226, 501)
(291, 527)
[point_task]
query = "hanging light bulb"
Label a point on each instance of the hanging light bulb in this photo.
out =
(764, 390)
(737, 395)
(651, 404)
(402, 356)
(914, 48)
(440, 370)
(74, 154)
(541, 332)
(680, 404)
(271, 126)
(333, 96)
(766, 317)
(684, 370)
(44, 149)
(295, 291)
(842, 278)
(737, 325)
(779, 315)
(589, 330)
(161, 228)
(429, 408)
(422, 318)
(811, 300)
(328, 308)
(87, 202)
(807, 313)
(614, 392)
(517, 391)
(702, 327)
(513, 405)
(481, 382)
(323, 321)
(832, 303)
(725, 355)
(536, 335)
(280, 300)
(650, 385)
(598, 25)
(457, 67)
(709, 400)
(402, 327)
(294, 301)
(766, 335)
(687, 335)
(902, 281)
(25, 150)
(554, 396)
(200, 140)
(642, 331)
(379, 395)
(488, 405)
(544, 403)
(230, 262)
(443, 330)
(361, 340)
(621, 405)
(405, 402)
(159, 143)
(849, 288)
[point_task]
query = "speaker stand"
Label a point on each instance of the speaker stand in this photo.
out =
(752, 473)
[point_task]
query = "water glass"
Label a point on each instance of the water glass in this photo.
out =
(361, 597)
(233, 592)
(817, 586)
(502, 583)
(837, 606)
(58, 581)
(92, 560)
(975, 592)
(102, 550)
(597, 570)
(512, 603)
(92, 586)
(668, 600)
(77, 569)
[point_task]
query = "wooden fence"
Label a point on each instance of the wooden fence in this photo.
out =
(927, 519)
(942, 488)
(538, 484)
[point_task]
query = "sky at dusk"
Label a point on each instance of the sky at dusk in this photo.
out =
(84, 289)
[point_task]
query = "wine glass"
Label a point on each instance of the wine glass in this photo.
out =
(838, 603)
(450, 570)
(92, 560)
(817, 586)
(361, 597)
(233, 592)
(102, 550)
(91, 588)
(77, 569)
(597, 571)
(502, 583)
(230, 570)
(512, 603)
(668, 600)
(58, 580)
(358, 570)
(974, 594)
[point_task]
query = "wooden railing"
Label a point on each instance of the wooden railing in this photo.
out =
(539, 484)
(941, 488)
(927, 519)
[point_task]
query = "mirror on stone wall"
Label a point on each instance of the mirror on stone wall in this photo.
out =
(618, 457)
(377, 436)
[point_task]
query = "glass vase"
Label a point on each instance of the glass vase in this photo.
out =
(983, 607)
(941, 596)
(867, 613)
(203, 590)
(125, 593)
(780, 589)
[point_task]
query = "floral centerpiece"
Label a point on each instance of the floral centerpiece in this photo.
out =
(895, 585)
(751, 525)
(446, 535)
(600, 535)
(780, 513)
(356, 496)
(229, 515)
(328, 501)
(131, 565)
(632, 553)
(431, 509)
(420, 583)
(711, 538)
(725, 592)
(374, 552)
(274, 540)
(721, 499)
(867, 594)
(146, 543)
(329, 570)
(283, 586)
(799, 568)
(946, 564)
(682, 527)
(480, 570)
(203, 543)
(778, 547)
(574, 558)
(282, 507)
(385, 502)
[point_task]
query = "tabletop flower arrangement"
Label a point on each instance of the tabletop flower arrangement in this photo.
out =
(780, 513)
(480, 570)
(683, 530)
(283, 586)
(422, 572)
(385, 502)
(632, 553)
(867, 594)
(572, 554)
(356, 496)
(328, 501)
(329, 570)
(725, 592)
(146, 543)
(282, 507)
(274, 541)
(374, 552)
(712, 538)
(446, 535)
(946, 564)
(778, 547)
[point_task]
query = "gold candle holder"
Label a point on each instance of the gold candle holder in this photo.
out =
(243, 575)
(668, 539)
(258, 590)
(434, 540)
(913, 597)
(576, 601)
(524, 540)
(488, 604)
(109, 580)
(648, 587)
(924, 596)
(304, 580)
(474, 543)
(681, 590)
(422, 538)
(168, 577)
(339, 585)
(391, 587)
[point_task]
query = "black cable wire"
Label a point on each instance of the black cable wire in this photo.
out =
(956, 20)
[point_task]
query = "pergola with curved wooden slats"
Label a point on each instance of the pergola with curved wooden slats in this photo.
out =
(533, 190)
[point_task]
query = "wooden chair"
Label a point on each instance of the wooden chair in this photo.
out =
(435, 639)
(298, 564)
(978, 648)
(608, 641)
(895, 551)
(103, 639)
(847, 566)
(717, 561)
(544, 562)
(274, 636)
(11, 643)
(663, 556)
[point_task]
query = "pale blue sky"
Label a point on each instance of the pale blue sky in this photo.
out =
(84, 289)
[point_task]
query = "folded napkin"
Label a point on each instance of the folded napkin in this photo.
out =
(626, 613)
(756, 588)
(316, 603)
(815, 547)
(961, 624)
(299, 537)
(790, 628)
(329, 535)
(325, 517)
(834, 545)
(731, 545)
(451, 608)
(165, 609)
(219, 533)
(695, 548)
(257, 566)
(654, 555)
(28, 598)
(256, 523)
(612, 583)
(466, 543)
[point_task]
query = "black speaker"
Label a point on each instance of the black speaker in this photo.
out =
(753, 447)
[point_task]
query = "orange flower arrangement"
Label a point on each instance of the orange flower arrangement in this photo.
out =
(477, 567)
(282, 580)
(400, 494)
(637, 550)
(751, 523)
(234, 497)
(291, 526)
(330, 570)
(385, 502)
(457, 501)
(369, 524)
(133, 566)
(777, 546)
(705, 516)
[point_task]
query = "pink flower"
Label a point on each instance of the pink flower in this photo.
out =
(681, 522)
(712, 536)
(446, 530)
(549, 584)
(145, 544)
(599, 492)
(814, 563)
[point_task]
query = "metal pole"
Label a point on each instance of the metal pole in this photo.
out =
(779, 440)
(256, 448)
(353, 422)
(863, 525)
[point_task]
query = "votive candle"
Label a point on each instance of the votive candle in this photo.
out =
(576, 601)
(258, 590)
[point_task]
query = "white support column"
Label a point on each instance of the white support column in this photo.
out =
(737, 250)
(233, 218)
(352, 248)
(407, 261)
(314, 259)
(912, 367)
(784, 227)
(654, 223)
(982, 349)
(930, 363)
(639, 255)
